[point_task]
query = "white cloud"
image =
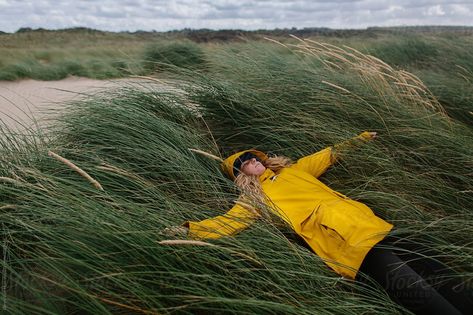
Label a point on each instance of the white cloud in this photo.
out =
(460, 9)
(435, 10)
(161, 15)
(394, 8)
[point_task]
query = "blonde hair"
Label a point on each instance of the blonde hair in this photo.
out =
(277, 163)
(250, 185)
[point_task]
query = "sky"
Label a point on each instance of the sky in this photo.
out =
(164, 15)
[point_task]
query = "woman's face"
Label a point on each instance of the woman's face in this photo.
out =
(252, 167)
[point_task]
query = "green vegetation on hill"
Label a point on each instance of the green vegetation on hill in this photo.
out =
(166, 55)
(69, 247)
(56, 55)
(442, 57)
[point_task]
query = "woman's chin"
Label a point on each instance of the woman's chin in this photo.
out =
(260, 171)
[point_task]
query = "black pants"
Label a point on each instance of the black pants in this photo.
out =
(420, 284)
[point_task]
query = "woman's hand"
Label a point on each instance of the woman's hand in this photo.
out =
(373, 134)
(175, 231)
(368, 135)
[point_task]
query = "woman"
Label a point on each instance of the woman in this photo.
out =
(341, 231)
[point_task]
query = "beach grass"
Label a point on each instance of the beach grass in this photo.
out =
(56, 55)
(71, 247)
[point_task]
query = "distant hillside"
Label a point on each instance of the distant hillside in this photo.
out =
(209, 35)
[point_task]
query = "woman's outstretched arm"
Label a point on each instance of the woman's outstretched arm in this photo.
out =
(317, 163)
(235, 220)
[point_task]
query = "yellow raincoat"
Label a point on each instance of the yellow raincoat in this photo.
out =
(341, 231)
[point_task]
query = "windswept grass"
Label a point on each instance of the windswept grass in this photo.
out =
(97, 69)
(409, 50)
(72, 248)
(443, 62)
(183, 54)
(454, 92)
(55, 55)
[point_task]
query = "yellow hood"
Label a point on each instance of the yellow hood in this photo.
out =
(227, 165)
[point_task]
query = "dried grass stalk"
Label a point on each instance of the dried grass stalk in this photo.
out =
(76, 168)
(10, 181)
(210, 155)
(337, 87)
(148, 78)
(184, 242)
(7, 207)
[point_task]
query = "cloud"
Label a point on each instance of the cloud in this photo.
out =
(435, 10)
(162, 15)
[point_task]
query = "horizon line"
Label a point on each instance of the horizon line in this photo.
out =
(374, 27)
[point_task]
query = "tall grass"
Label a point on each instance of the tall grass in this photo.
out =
(72, 248)
(165, 55)
(420, 169)
(55, 55)
(443, 62)
(407, 50)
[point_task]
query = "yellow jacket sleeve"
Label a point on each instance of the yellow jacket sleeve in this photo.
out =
(235, 220)
(317, 163)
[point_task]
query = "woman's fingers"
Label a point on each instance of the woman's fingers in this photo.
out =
(373, 134)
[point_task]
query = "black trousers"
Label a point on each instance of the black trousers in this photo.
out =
(420, 284)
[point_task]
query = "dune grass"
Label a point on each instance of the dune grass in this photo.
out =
(443, 60)
(55, 55)
(69, 247)
(185, 54)
(444, 63)
(44, 55)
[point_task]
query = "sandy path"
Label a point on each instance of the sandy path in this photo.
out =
(23, 101)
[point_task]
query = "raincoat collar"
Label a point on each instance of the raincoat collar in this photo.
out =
(267, 174)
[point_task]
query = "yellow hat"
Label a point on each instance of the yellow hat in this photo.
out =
(228, 165)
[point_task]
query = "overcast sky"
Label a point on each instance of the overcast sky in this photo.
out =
(163, 15)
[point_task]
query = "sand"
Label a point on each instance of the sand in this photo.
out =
(23, 102)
